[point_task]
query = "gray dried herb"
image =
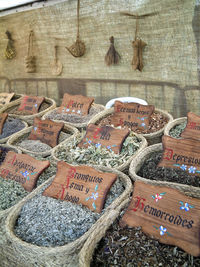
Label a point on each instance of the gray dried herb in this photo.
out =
(177, 130)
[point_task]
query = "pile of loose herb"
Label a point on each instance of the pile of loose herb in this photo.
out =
(11, 126)
(95, 155)
(46, 221)
(150, 171)
(177, 130)
(55, 115)
(132, 248)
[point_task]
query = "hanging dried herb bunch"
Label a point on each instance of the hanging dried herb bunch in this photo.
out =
(10, 51)
(112, 56)
(56, 65)
(78, 48)
(30, 60)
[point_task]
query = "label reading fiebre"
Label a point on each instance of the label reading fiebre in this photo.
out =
(30, 104)
(5, 98)
(46, 131)
(132, 115)
(165, 214)
(76, 104)
(183, 154)
(106, 137)
(23, 169)
(81, 185)
(192, 129)
(3, 118)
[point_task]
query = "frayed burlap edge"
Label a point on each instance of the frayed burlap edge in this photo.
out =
(122, 167)
(19, 96)
(78, 125)
(4, 140)
(152, 138)
(27, 254)
(29, 118)
(173, 124)
(137, 163)
(15, 138)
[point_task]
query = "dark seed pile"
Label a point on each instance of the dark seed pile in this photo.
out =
(177, 130)
(11, 126)
(132, 248)
(54, 115)
(46, 221)
(150, 171)
(14, 109)
(157, 122)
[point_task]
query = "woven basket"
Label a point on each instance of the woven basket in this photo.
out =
(152, 138)
(4, 140)
(78, 125)
(23, 135)
(28, 118)
(14, 98)
(137, 163)
(174, 123)
(122, 167)
(27, 255)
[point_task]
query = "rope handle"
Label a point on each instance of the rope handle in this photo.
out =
(78, 9)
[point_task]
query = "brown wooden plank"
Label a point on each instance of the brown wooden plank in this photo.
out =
(47, 131)
(5, 98)
(23, 169)
(81, 184)
(76, 104)
(132, 115)
(183, 154)
(3, 118)
(165, 214)
(105, 136)
(31, 104)
(192, 129)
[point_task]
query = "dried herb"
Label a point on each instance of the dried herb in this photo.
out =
(177, 130)
(112, 56)
(11, 126)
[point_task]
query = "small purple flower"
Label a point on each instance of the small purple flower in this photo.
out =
(35, 129)
(79, 112)
(98, 145)
(143, 124)
(185, 206)
(25, 173)
(89, 141)
(35, 105)
(94, 196)
(162, 230)
(108, 147)
(73, 110)
(192, 169)
(142, 119)
(183, 167)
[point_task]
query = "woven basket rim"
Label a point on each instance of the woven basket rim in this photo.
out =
(173, 123)
(78, 125)
(137, 162)
(9, 225)
(121, 167)
(15, 137)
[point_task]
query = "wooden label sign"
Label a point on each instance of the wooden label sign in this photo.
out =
(3, 118)
(5, 98)
(106, 137)
(165, 214)
(76, 104)
(23, 169)
(182, 154)
(31, 104)
(192, 129)
(46, 131)
(132, 115)
(81, 185)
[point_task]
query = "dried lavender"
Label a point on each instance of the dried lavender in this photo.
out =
(177, 130)
(11, 126)
(73, 154)
(55, 115)
(46, 221)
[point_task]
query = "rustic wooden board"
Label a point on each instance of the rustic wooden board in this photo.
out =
(31, 104)
(46, 131)
(23, 169)
(76, 104)
(183, 154)
(106, 136)
(192, 129)
(81, 185)
(5, 98)
(3, 118)
(132, 115)
(165, 214)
